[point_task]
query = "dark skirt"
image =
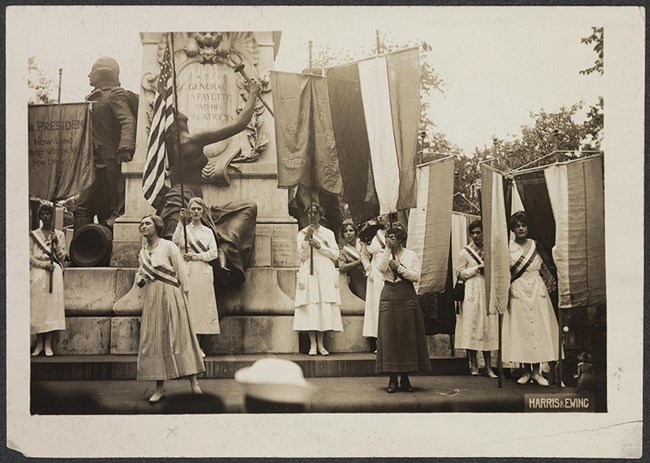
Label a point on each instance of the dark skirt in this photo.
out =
(401, 342)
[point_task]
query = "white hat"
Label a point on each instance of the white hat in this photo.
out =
(275, 380)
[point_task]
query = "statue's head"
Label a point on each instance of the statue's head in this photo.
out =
(105, 69)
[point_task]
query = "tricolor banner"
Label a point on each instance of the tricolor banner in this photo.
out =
(495, 240)
(303, 129)
(576, 192)
(375, 110)
(429, 225)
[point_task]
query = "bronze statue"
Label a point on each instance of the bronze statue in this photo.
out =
(233, 223)
(113, 131)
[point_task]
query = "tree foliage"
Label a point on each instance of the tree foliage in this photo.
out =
(550, 131)
(597, 37)
(41, 88)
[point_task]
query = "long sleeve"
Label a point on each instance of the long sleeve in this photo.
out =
(302, 246)
(344, 265)
(212, 252)
(409, 266)
(383, 258)
(463, 268)
(61, 251)
(365, 258)
(328, 244)
(177, 238)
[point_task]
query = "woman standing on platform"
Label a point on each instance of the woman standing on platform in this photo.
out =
(375, 281)
(47, 313)
(168, 346)
(530, 328)
(317, 295)
(201, 249)
(350, 259)
(401, 344)
(475, 329)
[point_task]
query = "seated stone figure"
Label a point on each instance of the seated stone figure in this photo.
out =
(232, 223)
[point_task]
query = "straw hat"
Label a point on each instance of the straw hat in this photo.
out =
(275, 380)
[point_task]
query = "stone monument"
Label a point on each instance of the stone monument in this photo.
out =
(258, 315)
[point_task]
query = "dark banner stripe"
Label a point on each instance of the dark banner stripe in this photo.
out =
(353, 149)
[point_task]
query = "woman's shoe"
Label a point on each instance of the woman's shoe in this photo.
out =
(48, 352)
(312, 352)
(202, 354)
(524, 379)
(539, 379)
(473, 371)
(196, 389)
(490, 373)
(155, 398)
(405, 384)
(323, 351)
(37, 351)
(392, 385)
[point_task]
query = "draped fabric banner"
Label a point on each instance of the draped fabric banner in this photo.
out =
(429, 224)
(60, 154)
(375, 109)
(495, 240)
(459, 235)
(534, 195)
(576, 192)
(303, 129)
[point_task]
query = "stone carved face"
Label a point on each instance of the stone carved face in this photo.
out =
(208, 39)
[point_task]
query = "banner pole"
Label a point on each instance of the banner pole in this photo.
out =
(178, 139)
(52, 248)
(58, 99)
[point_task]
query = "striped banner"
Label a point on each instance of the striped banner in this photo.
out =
(375, 110)
(576, 191)
(155, 180)
(429, 225)
(495, 240)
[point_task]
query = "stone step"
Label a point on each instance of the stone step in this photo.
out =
(239, 335)
(267, 291)
(123, 367)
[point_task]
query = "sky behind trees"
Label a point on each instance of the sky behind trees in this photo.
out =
(497, 64)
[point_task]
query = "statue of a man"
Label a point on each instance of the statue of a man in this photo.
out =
(113, 132)
(233, 223)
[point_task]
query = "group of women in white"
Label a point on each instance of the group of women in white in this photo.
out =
(180, 303)
(530, 328)
(382, 273)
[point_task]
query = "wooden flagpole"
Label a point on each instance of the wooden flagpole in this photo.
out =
(53, 224)
(178, 137)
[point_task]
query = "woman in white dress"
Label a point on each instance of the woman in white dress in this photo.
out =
(375, 282)
(47, 313)
(475, 329)
(168, 346)
(530, 328)
(201, 249)
(317, 295)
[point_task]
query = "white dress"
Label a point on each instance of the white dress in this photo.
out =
(203, 303)
(475, 329)
(530, 328)
(374, 284)
(317, 296)
(47, 311)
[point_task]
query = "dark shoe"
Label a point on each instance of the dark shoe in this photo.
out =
(405, 384)
(392, 385)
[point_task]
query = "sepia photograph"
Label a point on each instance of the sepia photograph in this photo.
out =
(295, 225)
